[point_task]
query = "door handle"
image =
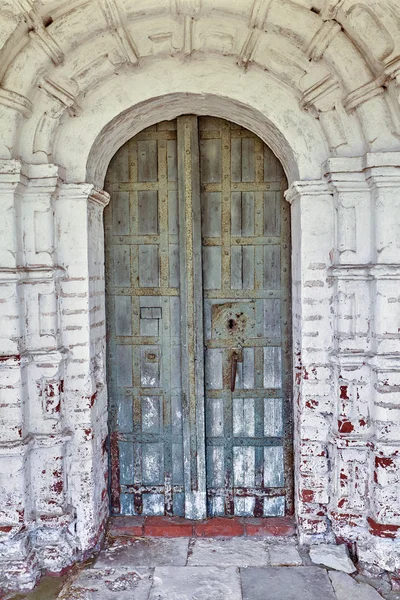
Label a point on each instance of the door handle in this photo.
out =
(235, 358)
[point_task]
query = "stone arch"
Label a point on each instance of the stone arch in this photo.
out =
(79, 78)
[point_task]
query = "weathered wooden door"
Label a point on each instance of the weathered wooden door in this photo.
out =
(246, 276)
(198, 320)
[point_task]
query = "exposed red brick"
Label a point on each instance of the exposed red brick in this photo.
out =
(343, 392)
(281, 526)
(219, 526)
(168, 527)
(345, 426)
(6, 528)
(382, 530)
(126, 526)
(14, 357)
(382, 461)
(307, 495)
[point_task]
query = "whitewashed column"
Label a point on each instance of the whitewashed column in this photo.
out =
(351, 279)
(383, 545)
(17, 563)
(51, 519)
(313, 246)
(79, 218)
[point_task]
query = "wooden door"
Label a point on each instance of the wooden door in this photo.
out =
(192, 241)
(246, 278)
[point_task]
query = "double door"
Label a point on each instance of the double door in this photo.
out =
(198, 323)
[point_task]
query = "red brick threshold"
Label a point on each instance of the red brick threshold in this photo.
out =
(213, 527)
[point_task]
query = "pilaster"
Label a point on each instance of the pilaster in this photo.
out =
(312, 245)
(79, 222)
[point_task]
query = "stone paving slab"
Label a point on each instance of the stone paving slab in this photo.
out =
(284, 556)
(145, 552)
(110, 584)
(286, 583)
(232, 552)
(333, 557)
(196, 583)
(346, 587)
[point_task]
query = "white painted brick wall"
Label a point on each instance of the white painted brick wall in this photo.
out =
(66, 105)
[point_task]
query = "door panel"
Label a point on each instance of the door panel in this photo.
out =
(246, 241)
(198, 319)
(143, 316)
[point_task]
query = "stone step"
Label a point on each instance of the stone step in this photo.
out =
(213, 527)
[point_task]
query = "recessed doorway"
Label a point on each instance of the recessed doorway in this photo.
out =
(198, 323)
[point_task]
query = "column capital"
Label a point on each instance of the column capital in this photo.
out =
(382, 169)
(346, 174)
(86, 192)
(11, 174)
(300, 189)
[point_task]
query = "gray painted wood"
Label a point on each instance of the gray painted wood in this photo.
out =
(246, 431)
(143, 316)
(197, 224)
(192, 344)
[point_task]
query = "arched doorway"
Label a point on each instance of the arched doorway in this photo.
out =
(198, 323)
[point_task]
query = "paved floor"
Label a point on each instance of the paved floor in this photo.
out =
(212, 569)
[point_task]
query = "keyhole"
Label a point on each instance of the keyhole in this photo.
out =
(231, 323)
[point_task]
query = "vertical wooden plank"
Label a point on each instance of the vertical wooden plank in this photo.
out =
(211, 214)
(248, 159)
(192, 345)
(147, 160)
(273, 466)
(212, 261)
(173, 212)
(148, 212)
(272, 367)
(273, 417)
(120, 213)
(172, 160)
(237, 267)
(124, 366)
(236, 212)
(236, 160)
(248, 267)
(123, 315)
(272, 213)
(272, 267)
(248, 215)
(121, 271)
(149, 275)
(272, 318)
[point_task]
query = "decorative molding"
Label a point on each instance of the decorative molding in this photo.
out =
(39, 33)
(391, 72)
(43, 139)
(364, 93)
(188, 7)
(46, 42)
(16, 102)
(298, 189)
(63, 96)
(322, 39)
(99, 197)
(365, 272)
(188, 23)
(323, 90)
(35, 440)
(259, 13)
(249, 47)
(115, 25)
(392, 69)
(330, 9)
(31, 274)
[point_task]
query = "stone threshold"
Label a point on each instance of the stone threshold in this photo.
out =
(212, 527)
